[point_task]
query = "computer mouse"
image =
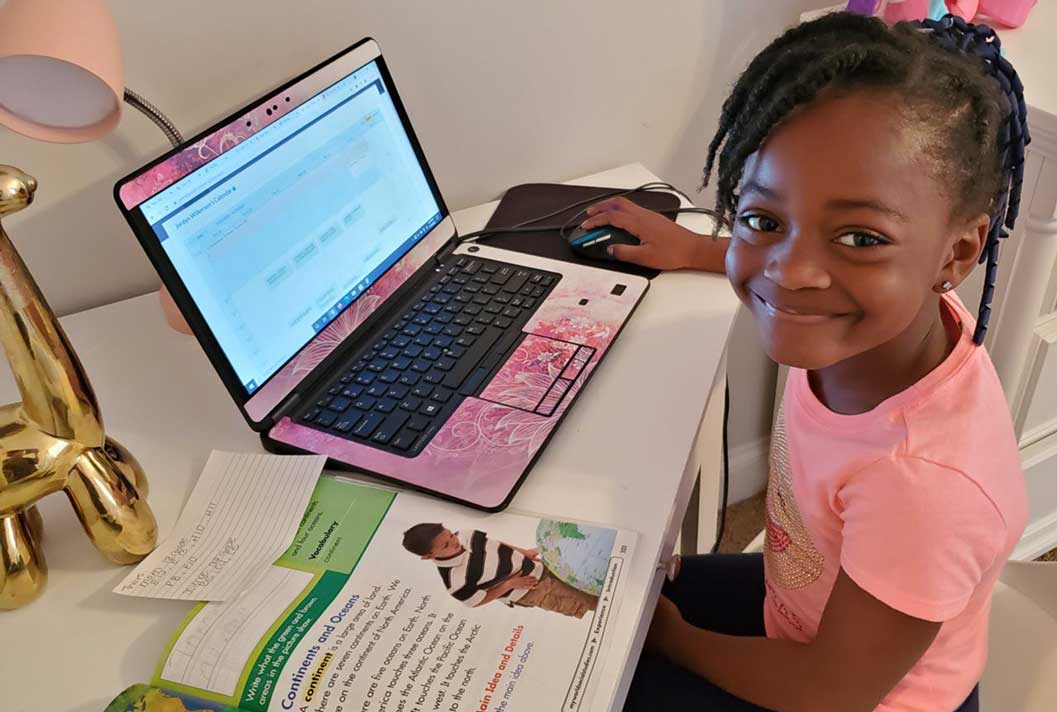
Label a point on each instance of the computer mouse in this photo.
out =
(593, 243)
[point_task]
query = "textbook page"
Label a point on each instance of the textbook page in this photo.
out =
(502, 612)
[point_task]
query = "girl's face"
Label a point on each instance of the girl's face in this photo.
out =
(842, 232)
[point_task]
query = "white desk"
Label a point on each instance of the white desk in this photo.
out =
(625, 455)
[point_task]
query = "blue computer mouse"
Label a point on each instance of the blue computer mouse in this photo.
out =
(593, 243)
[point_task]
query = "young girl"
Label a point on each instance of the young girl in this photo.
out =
(864, 170)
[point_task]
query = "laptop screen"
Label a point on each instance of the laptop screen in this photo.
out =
(278, 235)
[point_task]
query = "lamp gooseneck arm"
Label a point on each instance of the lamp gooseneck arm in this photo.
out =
(151, 112)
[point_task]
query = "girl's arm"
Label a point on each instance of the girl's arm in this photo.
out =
(862, 650)
(665, 245)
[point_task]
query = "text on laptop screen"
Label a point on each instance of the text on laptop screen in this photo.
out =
(278, 235)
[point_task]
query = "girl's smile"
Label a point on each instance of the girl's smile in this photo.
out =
(773, 308)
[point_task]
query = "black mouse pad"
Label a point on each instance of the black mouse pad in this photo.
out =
(523, 202)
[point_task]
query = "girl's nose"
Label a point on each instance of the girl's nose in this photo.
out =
(795, 263)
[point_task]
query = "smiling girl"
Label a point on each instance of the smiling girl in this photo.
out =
(864, 171)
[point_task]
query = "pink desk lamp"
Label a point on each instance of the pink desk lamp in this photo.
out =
(60, 72)
(61, 80)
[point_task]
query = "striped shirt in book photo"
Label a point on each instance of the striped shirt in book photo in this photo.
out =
(477, 569)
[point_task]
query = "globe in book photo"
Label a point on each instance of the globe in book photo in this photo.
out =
(146, 698)
(578, 554)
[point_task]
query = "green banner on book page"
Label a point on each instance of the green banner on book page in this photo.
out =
(338, 525)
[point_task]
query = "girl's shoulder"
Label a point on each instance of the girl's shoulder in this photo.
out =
(954, 420)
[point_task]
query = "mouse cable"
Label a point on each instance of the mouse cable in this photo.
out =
(726, 470)
(494, 231)
(523, 225)
(530, 226)
(652, 186)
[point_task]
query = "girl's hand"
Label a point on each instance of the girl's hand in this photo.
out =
(667, 620)
(665, 245)
(533, 554)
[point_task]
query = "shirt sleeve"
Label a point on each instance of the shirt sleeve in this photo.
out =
(918, 536)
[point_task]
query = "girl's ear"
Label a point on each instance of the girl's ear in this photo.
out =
(963, 252)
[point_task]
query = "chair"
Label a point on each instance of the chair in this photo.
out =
(1021, 673)
(1021, 669)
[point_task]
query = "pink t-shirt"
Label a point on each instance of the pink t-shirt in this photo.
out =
(920, 500)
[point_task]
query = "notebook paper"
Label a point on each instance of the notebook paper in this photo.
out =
(241, 516)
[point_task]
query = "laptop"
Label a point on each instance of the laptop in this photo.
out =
(307, 244)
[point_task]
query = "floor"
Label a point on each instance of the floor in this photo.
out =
(745, 521)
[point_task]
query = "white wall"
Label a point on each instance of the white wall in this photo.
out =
(501, 92)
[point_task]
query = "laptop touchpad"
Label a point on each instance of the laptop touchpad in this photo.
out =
(538, 374)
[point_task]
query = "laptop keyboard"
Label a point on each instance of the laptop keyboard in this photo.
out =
(397, 393)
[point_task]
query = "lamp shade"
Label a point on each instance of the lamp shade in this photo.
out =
(60, 69)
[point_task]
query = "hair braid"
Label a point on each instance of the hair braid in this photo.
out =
(980, 41)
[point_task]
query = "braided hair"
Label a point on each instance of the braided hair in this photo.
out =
(952, 79)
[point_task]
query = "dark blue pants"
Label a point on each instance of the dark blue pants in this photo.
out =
(722, 593)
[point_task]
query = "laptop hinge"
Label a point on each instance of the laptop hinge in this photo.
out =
(285, 407)
(445, 250)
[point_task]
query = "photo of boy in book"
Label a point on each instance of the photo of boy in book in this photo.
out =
(477, 569)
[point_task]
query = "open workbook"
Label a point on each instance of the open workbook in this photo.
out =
(391, 602)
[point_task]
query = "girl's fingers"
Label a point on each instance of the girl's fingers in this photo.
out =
(630, 253)
(600, 219)
(607, 204)
(616, 218)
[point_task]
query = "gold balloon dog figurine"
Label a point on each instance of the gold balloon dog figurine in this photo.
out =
(53, 440)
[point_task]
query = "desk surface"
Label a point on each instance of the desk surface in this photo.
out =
(620, 457)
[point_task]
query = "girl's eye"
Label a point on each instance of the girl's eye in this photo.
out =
(761, 223)
(861, 239)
